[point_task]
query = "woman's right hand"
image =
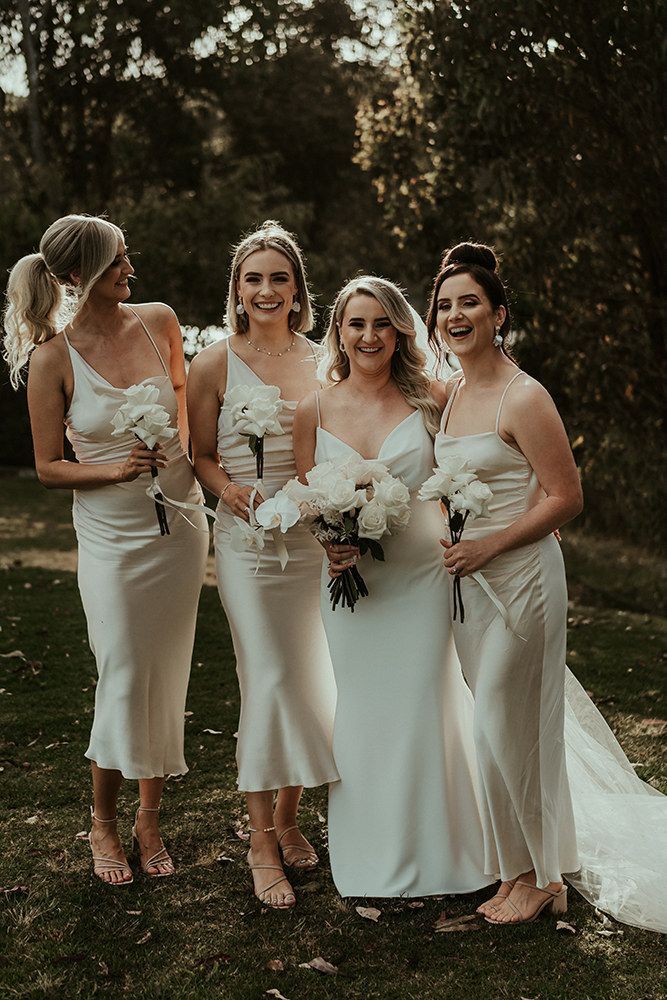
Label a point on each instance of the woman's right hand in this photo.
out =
(341, 557)
(237, 499)
(141, 459)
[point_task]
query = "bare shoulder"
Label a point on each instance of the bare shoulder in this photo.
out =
(50, 357)
(526, 392)
(211, 361)
(307, 408)
(158, 313)
(440, 393)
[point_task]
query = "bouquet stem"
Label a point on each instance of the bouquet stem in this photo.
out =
(160, 510)
(457, 523)
(347, 588)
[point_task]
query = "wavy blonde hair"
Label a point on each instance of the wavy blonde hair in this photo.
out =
(408, 363)
(41, 295)
(271, 236)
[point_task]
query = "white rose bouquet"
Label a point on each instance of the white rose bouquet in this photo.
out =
(255, 410)
(140, 414)
(464, 496)
(350, 500)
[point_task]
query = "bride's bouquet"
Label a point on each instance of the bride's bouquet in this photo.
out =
(464, 496)
(255, 410)
(140, 414)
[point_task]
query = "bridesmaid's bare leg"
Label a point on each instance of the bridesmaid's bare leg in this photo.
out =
(264, 851)
(147, 827)
(296, 849)
(104, 839)
(524, 901)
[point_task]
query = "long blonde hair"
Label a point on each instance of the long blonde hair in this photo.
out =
(408, 363)
(271, 236)
(40, 292)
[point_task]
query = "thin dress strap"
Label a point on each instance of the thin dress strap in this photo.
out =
(448, 407)
(148, 334)
(502, 399)
(317, 403)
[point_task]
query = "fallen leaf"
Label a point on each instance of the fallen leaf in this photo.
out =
(242, 835)
(146, 937)
(604, 932)
(275, 965)
(320, 965)
(104, 968)
(213, 732)
(188, 714)
(467, 922)
(210, 960)
(275, 993)
(224, 860)
(15, 890)
(134, 913)
(369, 913)
(32, 820)
(562, 925)
(321, 818)
(15, 654)
(416, 904)
(81, 835)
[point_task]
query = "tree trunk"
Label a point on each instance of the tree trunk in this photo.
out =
(29, 52)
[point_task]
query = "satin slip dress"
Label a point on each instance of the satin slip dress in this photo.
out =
(139, 589)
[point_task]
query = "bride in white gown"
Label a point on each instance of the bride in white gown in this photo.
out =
(404, 819)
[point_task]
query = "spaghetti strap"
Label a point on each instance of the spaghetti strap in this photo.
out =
(448, 407)
(148, 334)
(317, 403)
(502, 398)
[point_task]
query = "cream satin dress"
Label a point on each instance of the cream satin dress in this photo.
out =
(404, 820)
(288, 695)
(139, 589)
(558, 793)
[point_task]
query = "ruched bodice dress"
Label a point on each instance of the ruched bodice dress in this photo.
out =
(139, 589)
(404, 819)
(558, 793)
(288, 694)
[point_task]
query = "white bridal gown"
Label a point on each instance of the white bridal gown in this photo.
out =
(288, 695)
(558, 793)
(404, 819)
(139, 589)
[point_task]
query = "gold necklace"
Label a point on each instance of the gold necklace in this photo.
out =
(271, 354)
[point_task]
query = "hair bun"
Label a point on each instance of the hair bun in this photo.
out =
(471, 253)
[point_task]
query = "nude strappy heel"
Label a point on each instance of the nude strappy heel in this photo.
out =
(160, 858)
(498, 895)
(277, 868)
(103, 866)
(311, 859)
(556, 901)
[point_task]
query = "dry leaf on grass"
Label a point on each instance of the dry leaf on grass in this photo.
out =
(467, 922)
(145, 937)
(562, 925)
(320, 965)
(210, 960)
(369, 913)
(275, 965)
(213, 732)
(14, 655)
(242, 835)
(416, 904)
(275, 993)
(32, 820)
(223, 859)
(81, 835)
(134, 913)
(604, 932)
(15, 890)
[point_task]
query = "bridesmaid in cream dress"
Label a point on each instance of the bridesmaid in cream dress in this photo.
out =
(285, 676)
(404, 819)
(139, 589)
(558, 794)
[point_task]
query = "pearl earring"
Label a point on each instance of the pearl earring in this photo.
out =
(296, 306)
(240, 309)
(497, 340)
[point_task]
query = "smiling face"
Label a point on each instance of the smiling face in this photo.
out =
(366, 333)
(266, 287)
(113, 284)
(466, 320)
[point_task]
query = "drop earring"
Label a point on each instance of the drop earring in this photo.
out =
(240, 309)
(497, 340)
(296, 306)
(342, 349)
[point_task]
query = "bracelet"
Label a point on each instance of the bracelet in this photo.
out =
(225, 489)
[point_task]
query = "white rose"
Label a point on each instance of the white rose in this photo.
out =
(245, 538)
(300, 494)
(391, 493)
(399, 521)
(322, 476)
(344, 495)
(474, 498)
(278, 512)
(372, 521)
(447, 478)
(255, 409)
(364, 470)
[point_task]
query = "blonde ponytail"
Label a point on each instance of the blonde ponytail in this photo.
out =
(41, 294)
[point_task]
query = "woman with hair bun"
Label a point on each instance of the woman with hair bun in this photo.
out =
(139, 590)
(555, 783)
(403, 730)
(287, 688)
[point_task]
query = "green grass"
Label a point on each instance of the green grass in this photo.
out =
(201, 934)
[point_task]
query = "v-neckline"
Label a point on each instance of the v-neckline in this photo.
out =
(387, 438)
(252, 371)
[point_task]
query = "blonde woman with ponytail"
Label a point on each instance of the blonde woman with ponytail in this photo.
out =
(67, 314)
(404, 818)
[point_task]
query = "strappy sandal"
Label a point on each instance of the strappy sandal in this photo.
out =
(160, 858)
(103, 866)
(556, 901)
(499, 895)
(276, 868)
(311, 859)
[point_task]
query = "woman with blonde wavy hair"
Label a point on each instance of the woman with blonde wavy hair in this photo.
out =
(67, 314)
(404, 818)
(287, 688)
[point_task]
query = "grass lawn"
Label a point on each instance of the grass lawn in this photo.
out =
(202, 934)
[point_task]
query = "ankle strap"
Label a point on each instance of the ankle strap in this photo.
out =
(265, 829)
(145, 809)
(98, 820)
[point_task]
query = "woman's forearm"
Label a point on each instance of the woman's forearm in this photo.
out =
(210, 474)
(64, 475)
(541, 520)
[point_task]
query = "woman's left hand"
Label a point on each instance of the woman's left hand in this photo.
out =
(465, 558)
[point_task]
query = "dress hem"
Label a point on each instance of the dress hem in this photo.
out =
(415, 895)
(136, 777)
(291, 783)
